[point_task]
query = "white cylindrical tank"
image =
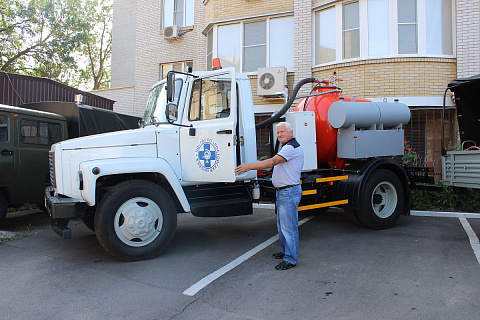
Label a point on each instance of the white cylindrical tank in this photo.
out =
(393, 114)
(364, 115)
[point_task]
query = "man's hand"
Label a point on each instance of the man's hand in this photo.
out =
(244, 167)
(268, 163)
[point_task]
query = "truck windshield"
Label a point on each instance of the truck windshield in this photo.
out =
(157, 102)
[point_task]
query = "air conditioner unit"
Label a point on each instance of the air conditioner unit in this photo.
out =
(271, 81)
(170, 33)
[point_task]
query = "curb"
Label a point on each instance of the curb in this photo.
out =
(416, 213)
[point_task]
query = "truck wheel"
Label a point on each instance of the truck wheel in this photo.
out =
(382, 200)
(3, 207)
(135, 220)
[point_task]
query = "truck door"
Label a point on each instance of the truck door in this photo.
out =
(207, 149)
(36, 135)
(7, 152)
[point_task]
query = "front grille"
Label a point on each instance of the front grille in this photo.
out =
(51, 163)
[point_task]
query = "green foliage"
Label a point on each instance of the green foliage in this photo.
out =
(96, 49)
(48, 38)
(409, 155)
(449, 199)
(454, 146)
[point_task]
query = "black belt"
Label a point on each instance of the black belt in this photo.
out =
(285, 187)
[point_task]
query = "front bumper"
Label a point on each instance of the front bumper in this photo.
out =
(61, 209)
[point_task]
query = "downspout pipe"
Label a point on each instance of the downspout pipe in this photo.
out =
(443, 150)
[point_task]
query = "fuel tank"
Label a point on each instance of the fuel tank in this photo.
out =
(326, 134)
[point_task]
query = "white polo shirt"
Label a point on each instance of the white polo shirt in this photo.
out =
(288, 173)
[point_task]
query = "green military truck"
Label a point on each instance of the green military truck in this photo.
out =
(26, 134)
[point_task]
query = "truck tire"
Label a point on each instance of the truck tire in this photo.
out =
(89, 219)
(135, 220)
(3, 207)
(382, 200)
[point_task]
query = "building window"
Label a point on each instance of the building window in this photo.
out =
(38, 132)
(209, 49)
(351, 31)
(250, 45)
(439, 32)
(378, 28)
(228, 45)
(407, 26)
(254, 45)
(325, 40)
(281, 43)
(3, 129)
(210, 99)
(175, 66)
(178, 12)
(383, 28)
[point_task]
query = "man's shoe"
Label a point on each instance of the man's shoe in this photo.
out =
(284, 265)
(278, 255)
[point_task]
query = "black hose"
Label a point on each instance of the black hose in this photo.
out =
(287, 105)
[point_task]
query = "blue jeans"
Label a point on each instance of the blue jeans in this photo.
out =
(287, 221)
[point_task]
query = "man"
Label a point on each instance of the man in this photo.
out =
(287, 167)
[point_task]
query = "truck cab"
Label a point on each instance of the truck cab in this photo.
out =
(183, 157)
(212, 113)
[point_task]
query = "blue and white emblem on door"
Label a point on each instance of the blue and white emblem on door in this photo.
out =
(207, 155)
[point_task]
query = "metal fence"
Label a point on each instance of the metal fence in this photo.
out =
(16, 90)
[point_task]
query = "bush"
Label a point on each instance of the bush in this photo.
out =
(449, 199)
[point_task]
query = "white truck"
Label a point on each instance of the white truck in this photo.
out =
(129, 186)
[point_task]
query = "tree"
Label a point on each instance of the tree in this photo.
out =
(51, 38)
(97, 46)
(36, 36)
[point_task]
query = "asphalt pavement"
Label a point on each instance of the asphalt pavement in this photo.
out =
(423, 268)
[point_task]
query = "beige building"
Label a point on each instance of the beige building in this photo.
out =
(381, 49)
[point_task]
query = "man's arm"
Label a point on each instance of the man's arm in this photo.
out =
(259, 165)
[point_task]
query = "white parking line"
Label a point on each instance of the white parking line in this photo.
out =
(444, 214)
(193, 290)
(472, 237)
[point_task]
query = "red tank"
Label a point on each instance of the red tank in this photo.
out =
(326, 134)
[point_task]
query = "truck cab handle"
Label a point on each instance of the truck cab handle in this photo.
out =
(7, 153)
(228, 131)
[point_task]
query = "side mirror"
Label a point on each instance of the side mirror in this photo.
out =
(171, 112)
(170, 86)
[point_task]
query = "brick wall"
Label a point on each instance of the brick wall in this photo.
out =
(236, 9)
(123, 43)
(124, 98)
(303, 42)
(406, 77)
(468, 37)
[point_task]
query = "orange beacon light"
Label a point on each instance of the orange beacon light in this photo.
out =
(216, 64)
